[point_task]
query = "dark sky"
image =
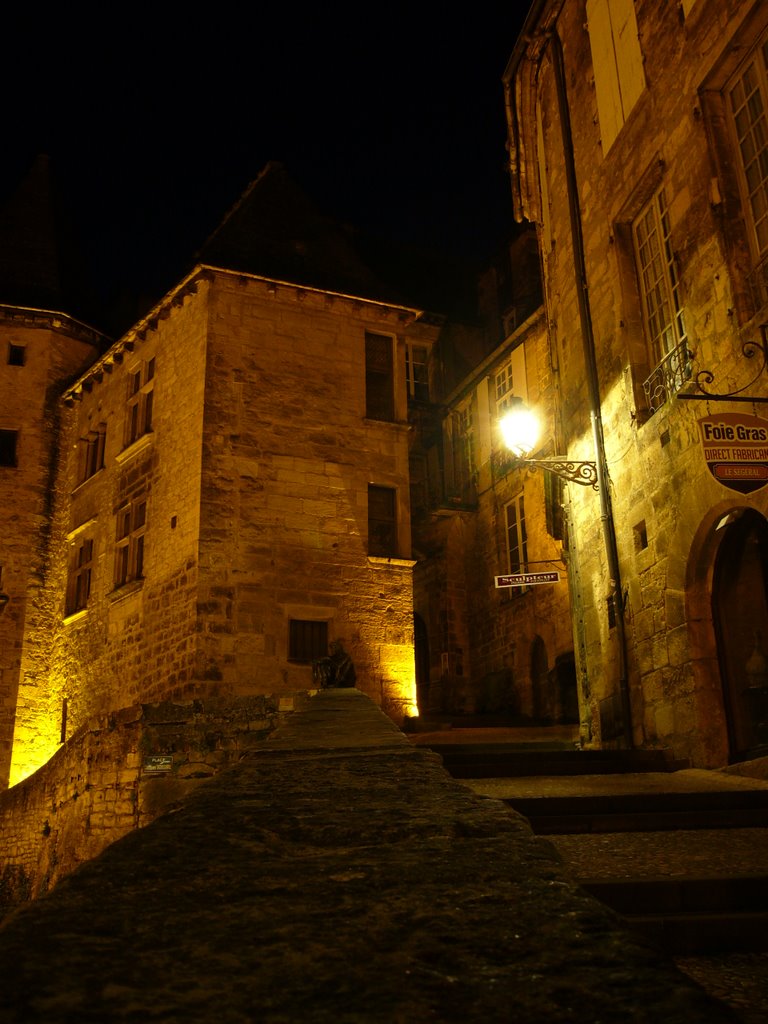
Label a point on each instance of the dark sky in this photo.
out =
(156, 121)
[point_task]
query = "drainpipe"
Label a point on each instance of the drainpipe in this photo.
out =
(593, 385)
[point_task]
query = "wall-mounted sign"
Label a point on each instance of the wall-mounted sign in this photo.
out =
(527, 579)
(157, 763)
(736, 449)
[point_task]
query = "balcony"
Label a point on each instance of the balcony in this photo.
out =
(668, 377)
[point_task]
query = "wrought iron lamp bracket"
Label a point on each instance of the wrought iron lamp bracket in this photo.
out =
(704, 378)
(572, 470)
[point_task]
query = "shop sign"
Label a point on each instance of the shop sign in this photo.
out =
(736, 450)
(526, 579)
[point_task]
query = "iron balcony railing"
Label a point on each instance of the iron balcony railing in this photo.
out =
(668, 377)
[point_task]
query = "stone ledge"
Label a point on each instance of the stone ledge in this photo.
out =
(371, 887)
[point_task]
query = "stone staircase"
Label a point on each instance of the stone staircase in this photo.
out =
(681, 854)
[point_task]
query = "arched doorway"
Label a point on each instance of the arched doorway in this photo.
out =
(740, 617)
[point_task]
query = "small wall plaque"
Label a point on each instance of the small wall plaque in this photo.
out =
(158, 763)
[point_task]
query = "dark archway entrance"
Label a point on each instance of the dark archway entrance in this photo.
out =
(740, 616)
(421, 654)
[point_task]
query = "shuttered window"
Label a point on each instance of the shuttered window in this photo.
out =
(617, 63)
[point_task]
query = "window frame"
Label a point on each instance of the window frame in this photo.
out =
(307, 640)
(516, 531)
(379, 377)
(17, 354)
(9, 448)
(417, 371)
(382, 529)
(140, 401)
(80, 577)
(92, 451)
(130, 542)
(756, 59)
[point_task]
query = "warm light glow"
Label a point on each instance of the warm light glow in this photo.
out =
(520, 430)
(37, 731)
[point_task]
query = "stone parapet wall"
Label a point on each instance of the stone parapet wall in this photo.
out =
(103, 784)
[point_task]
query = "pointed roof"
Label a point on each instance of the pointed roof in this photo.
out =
(274, 230)
(40, 266)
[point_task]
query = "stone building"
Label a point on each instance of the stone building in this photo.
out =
(221, 493)
(42, 347)
(638, 145)
(488, 650)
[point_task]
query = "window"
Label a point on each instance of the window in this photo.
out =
(307, 640)
(660, 298)
(92, 452)
(466, 433)
(417, 372)
(379, 377)
(8, 444)
(382, 521)
(141, 382)
(517, 541)
(17, 354)
(504, 389)
(617, 62)
(747, 96)
(79, 588)
(129, 551)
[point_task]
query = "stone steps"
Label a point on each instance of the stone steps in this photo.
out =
(606, 797)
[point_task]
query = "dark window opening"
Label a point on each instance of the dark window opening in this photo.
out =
(17, 355)
(382, 522)
(307, 640)
(379, 377)
(8, 439)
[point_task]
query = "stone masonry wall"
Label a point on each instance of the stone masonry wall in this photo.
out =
(662, 492)
(28, 404)
(101, 785)
(288, 458)
(135, 641)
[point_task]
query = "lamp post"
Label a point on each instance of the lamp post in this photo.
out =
(520, 432)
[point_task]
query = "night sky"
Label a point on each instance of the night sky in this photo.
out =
(155, 124)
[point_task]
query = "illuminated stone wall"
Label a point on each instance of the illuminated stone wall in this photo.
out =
(133, 641)
(664, 499)
(101, 784)
(247, 496)
(289, 456)
(38, 353)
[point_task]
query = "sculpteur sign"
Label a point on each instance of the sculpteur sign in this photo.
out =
(736, 450)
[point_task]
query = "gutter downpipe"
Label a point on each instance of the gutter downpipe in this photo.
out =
(593, 385)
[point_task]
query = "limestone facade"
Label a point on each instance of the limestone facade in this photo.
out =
(231, 496)
(38, 352)
(637, 134)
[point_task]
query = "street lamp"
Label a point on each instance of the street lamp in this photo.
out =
(520, 432)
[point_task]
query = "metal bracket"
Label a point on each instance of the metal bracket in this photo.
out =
(749, 350)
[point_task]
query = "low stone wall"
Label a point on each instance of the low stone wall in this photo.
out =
(116, 774)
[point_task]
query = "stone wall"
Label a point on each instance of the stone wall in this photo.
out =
(133, 639)
(289, 456)
(102, 784)
(662, 493)
(47, 355)
(496, 651)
